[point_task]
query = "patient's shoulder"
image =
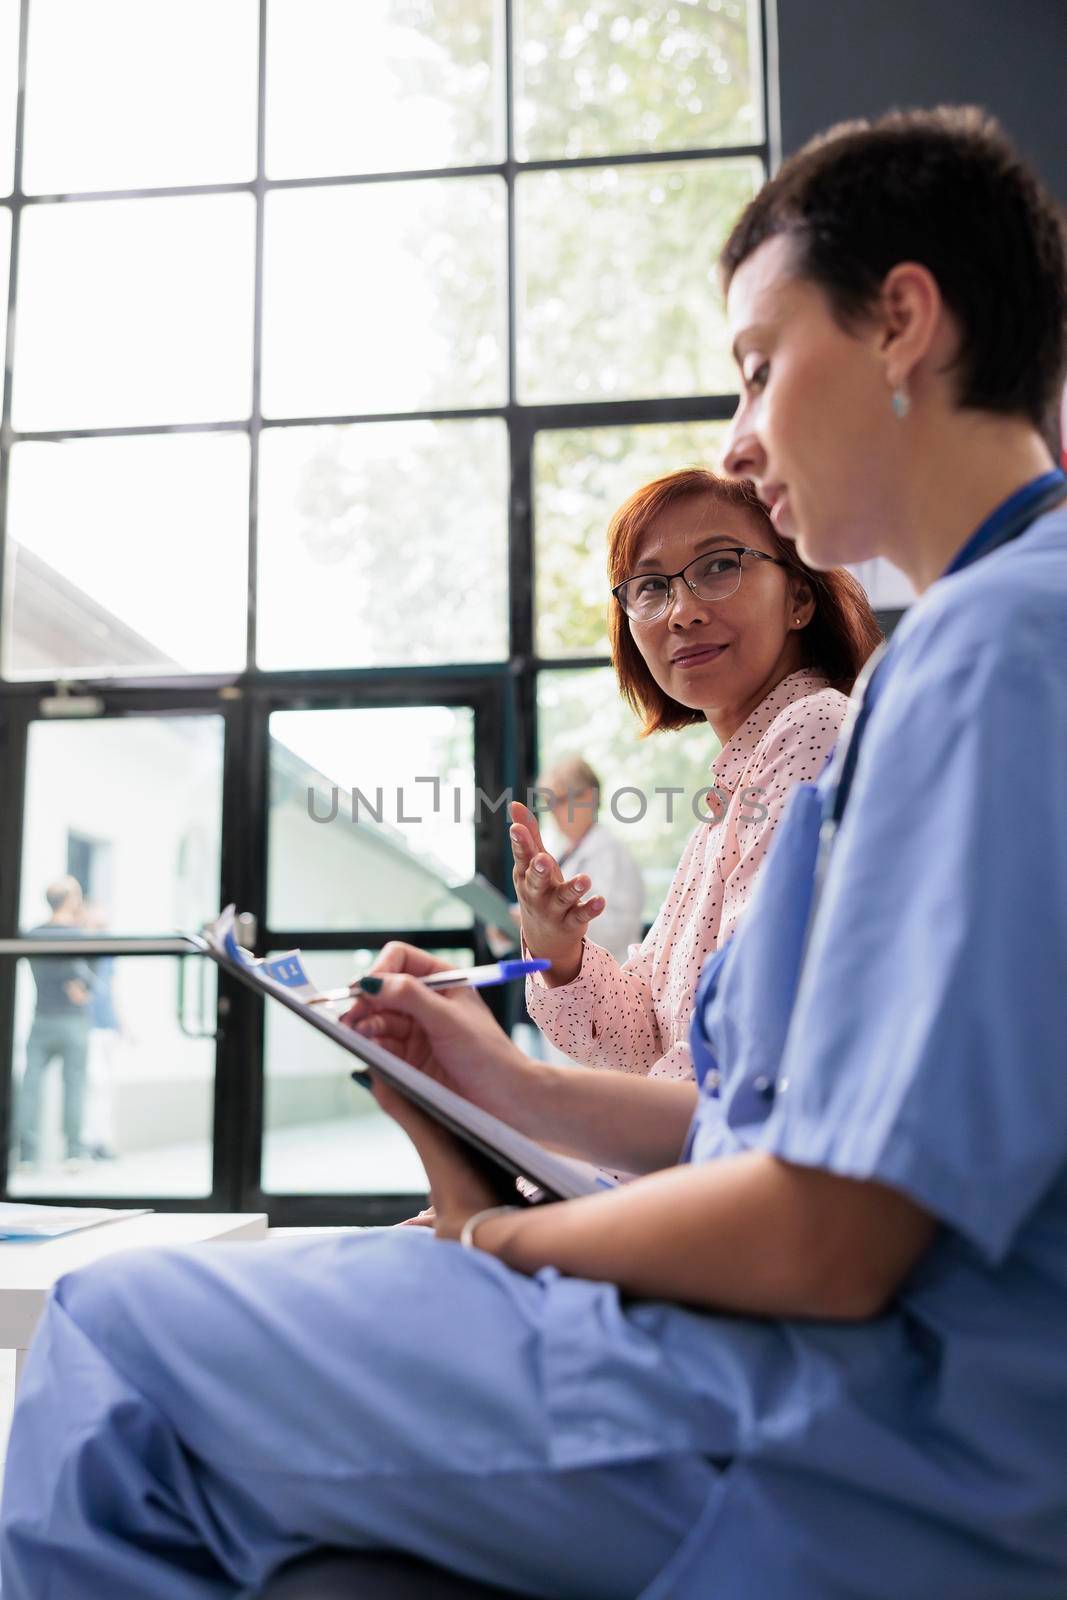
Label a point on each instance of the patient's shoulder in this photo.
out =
(813, 717)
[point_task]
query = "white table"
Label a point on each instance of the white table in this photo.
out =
(28, 1270)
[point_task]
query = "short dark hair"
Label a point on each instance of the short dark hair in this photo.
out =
(945, 188)
(836, 642)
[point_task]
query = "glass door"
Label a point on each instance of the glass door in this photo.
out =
(112, 1030)
(374, 811)
(130, 1074)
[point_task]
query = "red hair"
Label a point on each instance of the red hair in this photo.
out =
(836, 642)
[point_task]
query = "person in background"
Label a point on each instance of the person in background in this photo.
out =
(60, 1029)
(593, 852)
(105, 1031)
(715, 619)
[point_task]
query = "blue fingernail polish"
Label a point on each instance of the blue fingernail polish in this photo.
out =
(370, 985)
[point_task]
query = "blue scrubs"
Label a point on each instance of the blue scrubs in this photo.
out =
(189, 1419)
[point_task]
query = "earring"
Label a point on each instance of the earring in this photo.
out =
(900, 400)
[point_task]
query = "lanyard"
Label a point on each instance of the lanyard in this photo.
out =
(1010, 519)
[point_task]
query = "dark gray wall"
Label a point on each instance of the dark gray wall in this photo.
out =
(850, 58)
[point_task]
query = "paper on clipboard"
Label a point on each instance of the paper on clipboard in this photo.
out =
(285, 978)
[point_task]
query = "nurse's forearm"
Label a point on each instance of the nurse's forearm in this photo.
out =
(746, 1234)
(615, 1119)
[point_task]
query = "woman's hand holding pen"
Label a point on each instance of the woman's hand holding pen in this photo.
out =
(449, 1034)
(472, 1023)
(554, 915)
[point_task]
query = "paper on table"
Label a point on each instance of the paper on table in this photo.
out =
(25, 1222)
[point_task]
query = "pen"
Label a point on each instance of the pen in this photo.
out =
(457, 978)
(484, 977)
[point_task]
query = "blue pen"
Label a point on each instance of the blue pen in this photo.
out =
(484, 977)
(455, 978)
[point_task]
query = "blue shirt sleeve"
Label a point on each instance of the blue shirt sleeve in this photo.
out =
(927, 1047)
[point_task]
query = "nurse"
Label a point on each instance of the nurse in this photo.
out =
(828, 1364)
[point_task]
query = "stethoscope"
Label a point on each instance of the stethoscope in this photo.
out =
(1006, 523)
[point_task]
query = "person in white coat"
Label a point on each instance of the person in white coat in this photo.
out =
(592, 849)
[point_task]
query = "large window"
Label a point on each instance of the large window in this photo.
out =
(337, 333)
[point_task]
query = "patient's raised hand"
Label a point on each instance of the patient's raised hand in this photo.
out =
(554, 914)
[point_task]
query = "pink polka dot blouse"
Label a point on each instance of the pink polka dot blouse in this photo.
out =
(635, 1017)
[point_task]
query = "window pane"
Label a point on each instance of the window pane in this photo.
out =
(135, 311)
(127, 555)
(581, 713)
(382, 86)
(5, 266)
(123, 95)
(619, 75)
(355, 839)
(139, 1093)
(374, 538)
(617, 295)
(385, 297)
(130, 807)
(581, 477)
(9, 70)
(323, 1134)
(887, 587)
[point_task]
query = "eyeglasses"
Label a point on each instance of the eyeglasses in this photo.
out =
(716, 575)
